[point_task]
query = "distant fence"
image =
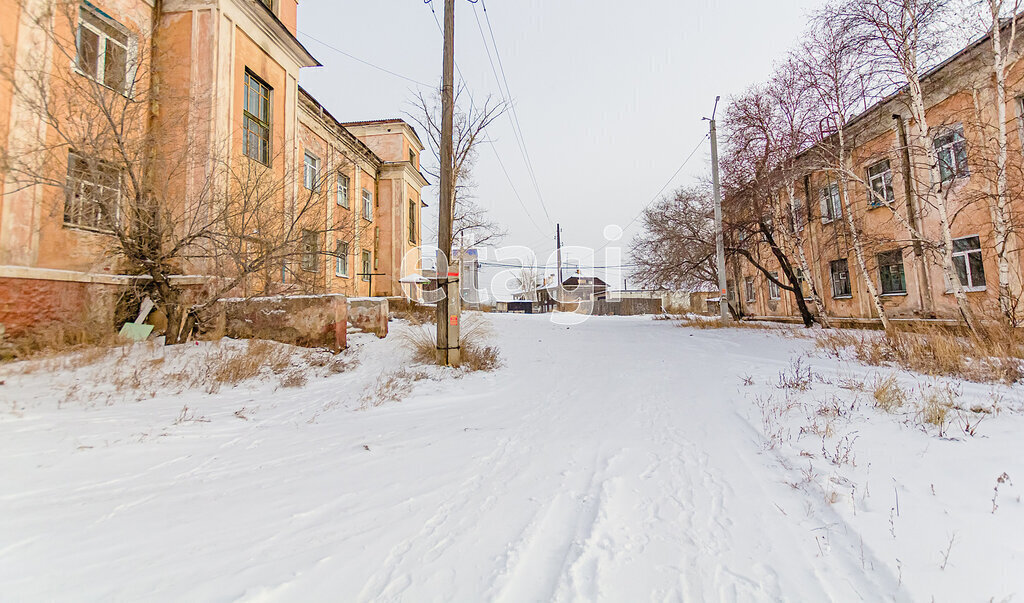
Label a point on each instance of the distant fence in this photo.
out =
(630, 306)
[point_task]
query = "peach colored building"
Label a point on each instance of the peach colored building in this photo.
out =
(227, 73)
(960, 105)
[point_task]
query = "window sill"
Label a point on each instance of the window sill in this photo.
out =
(99, 231)
(341, 275)
(842, 297)
(774, 298)
(897, 294)
(969, 290)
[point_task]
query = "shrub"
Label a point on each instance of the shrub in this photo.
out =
(888, 394)
(476, 354)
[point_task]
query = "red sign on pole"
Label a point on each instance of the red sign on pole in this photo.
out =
(453, 321)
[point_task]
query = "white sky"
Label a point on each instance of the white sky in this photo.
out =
(609, 95)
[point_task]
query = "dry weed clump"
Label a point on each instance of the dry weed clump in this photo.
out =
(476, 354)
(694, 321)
(888, 394)
(995, 357)
(392, 387)
(230, 367)
(936, 406)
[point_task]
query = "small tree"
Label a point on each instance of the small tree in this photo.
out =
(676, 248)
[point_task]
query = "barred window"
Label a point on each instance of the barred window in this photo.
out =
(256, 120)
(93, 197)
(102, 48)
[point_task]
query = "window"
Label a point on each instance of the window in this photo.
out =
(952, 151)
(412, 221)
(805, 289)
(93, 196)
(102, 46)
(880, 181)
(256, 120)
(343, 190)
(968, 263)
(831, 205)
(890, 272)
(840, 279)
(749, 291)
(731, 290)
(367, 205)
(311, 172)
(310, 249)
(412, 157)
(341, 259)
(366, 265)
(773, 288)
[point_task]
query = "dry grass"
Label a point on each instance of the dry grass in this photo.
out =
(229, 367)
(936, 406)
(704, 322)
(995, 357)
(392, 387)
(87, 336)
(474, 336)
(888, 394)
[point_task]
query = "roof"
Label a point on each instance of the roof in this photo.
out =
(373, 122)
(350, 137)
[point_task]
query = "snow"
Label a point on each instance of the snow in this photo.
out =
(671, 466)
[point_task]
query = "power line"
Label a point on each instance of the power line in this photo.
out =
(658, 194)
(490, 142)
(513, 113)
(365, 62)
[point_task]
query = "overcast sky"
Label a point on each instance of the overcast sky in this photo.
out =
(609, 94)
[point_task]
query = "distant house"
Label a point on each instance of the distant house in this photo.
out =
(583, 288)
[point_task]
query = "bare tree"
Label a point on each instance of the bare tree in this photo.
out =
(470, 224)
(676, 248)
(902, 36)
(833, 70)
(117, 155)
(527, 279)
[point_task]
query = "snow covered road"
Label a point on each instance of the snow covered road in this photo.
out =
(615, 460)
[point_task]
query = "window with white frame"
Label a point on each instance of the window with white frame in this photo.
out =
(840, 271)
(831, 204)
(366, 265)
(805, 288)
(880, 183)
(103, 46)
(951, 149)
(311, 171)
(93, 196)
(341, 259)
(367, 204)
(342, 191)
(256, 119)
(967, 260)
(750, 292)
(773, 287)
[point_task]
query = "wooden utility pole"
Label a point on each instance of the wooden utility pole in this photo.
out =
(447, 321)
(558, 249)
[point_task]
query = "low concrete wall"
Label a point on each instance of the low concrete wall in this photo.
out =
(30, 303)
(304, 320)
(369, 314)
(630, 306)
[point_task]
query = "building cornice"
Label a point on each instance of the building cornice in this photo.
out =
(276, 30)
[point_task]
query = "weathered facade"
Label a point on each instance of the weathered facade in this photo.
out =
(225, 75)
(960, 106)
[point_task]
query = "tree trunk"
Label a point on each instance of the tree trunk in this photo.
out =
(787, 269)
(798, 244)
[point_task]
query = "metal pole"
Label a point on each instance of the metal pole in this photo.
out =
(444, 218)
(723, 300)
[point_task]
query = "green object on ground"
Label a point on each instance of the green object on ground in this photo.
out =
(135, 331)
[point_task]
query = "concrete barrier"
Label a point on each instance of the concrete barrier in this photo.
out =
(369, 314)
(303, 320)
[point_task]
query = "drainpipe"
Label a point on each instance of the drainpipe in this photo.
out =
(924, 289)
